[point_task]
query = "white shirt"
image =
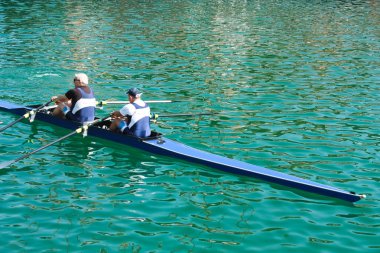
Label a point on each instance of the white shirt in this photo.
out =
(129, 109)
(137, 114)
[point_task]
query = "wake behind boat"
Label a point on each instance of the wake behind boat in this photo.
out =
(158, 144)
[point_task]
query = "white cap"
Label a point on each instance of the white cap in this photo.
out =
(82, 78)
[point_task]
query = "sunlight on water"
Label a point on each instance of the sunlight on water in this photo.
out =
(295, 85)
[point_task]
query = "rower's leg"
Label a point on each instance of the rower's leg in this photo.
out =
(58, 112)
(114, 125)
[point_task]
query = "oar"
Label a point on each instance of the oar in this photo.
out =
(26, 115)
(101, 103)
(79, 130)
(155, 116)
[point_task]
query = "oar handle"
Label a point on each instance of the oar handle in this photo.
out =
(42, 106)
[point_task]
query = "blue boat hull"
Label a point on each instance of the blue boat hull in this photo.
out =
(167, 147)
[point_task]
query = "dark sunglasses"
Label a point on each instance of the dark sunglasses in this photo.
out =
(76, 79)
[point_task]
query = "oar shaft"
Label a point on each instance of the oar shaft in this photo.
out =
(155, 116)
(127, 102)
(43, 147)
(12, 123)
(43, 105)
(26, 115)
(79, 130)
(182, 115)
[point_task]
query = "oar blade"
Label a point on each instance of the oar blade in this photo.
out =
(6, 164)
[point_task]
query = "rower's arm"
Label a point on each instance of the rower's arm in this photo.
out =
(59, 99)
(116, 114)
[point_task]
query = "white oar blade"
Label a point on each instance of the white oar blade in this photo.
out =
(6, 164)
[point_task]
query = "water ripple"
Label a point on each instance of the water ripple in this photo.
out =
(296, 85)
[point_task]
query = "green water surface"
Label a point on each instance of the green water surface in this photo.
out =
(297, 87)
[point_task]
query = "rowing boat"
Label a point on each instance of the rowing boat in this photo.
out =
(158, 144)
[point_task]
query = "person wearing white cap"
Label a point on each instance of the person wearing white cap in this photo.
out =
(77, 104)
(133, 118)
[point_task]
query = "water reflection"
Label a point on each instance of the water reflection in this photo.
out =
(297, 84)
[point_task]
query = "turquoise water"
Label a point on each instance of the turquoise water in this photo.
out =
(297, 87)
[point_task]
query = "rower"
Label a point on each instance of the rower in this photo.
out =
(133, 118)
(77, 104)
